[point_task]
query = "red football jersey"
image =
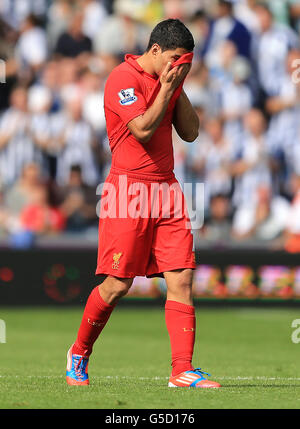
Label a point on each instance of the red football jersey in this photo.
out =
(129, 92)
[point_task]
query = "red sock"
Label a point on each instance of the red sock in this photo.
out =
(181, 325)
(95, 316)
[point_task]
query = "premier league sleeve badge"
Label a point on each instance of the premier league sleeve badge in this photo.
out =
(127, 96)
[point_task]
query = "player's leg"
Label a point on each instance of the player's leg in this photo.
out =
(172, 254)
(123, 253)
(98, 309)
(180, 318)
(181, 326)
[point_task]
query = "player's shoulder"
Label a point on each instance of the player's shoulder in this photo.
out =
(121, 74)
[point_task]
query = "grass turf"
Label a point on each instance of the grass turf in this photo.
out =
(248, 350)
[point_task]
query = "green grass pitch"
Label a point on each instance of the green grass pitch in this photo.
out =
(249, 351)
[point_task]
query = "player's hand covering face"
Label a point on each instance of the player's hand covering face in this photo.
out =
(162, 58)
(172, 77)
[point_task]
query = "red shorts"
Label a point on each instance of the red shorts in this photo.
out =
(144, 229)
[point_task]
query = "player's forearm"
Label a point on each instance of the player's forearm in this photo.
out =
(144, 126)
(4, 139)
(277, 104)
(186, 121)
(239, 167)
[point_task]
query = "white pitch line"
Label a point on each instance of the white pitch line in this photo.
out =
(126, 377)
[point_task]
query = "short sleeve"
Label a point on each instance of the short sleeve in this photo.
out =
(123, 96)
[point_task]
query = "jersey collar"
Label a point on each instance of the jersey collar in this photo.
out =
(132, 60)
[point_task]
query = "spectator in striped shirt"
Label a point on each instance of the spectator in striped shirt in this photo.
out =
(283, 133)
(253, 193)
(274, 43)
(17, 147)
(75, 142)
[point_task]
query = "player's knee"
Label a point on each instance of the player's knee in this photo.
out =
(185, 286)
(120, 287)
(185, 279)
(181, 282)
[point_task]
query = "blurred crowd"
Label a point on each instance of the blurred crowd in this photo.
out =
(244, 84)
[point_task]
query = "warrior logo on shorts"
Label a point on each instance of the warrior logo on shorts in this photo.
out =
(116, 259)
(127, 96)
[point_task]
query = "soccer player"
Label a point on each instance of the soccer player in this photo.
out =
(138, 236)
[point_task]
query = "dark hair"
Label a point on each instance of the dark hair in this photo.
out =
(76, 168)
(226, 3)
(34, 20)
(171, 34)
